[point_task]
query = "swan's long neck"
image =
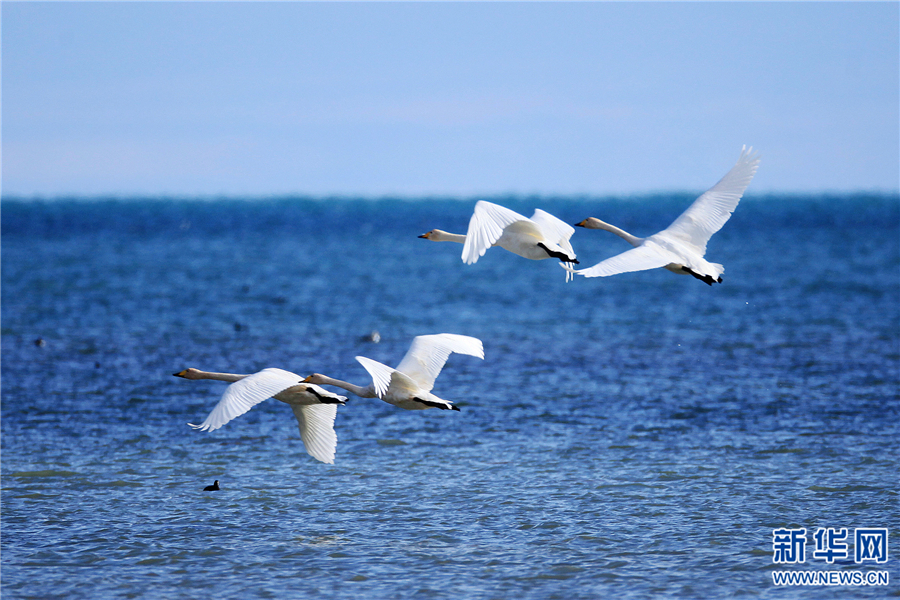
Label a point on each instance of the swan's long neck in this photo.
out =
(594, 223)
(437, 235)
(198, 374)
(363, 392)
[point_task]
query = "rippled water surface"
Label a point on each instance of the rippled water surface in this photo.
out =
(636, 436)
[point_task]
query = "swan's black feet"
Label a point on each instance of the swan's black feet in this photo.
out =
(707, 279)
(436, 404)
(324, 399)
(558, 255)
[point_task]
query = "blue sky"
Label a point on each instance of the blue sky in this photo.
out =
(446, 99)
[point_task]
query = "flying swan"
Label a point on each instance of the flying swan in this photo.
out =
(314, 407)
(680, 246)
(542, 236)
(409, 385)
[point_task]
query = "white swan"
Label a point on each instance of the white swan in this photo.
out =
(680, 246)
(409, 385)
(314, 407)
(542, 236)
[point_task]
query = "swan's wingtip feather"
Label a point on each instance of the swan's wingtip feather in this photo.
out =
(748, 155)
(323, 458)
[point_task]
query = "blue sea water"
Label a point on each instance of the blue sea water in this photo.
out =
(639, 436)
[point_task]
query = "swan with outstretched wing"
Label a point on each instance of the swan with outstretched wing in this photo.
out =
(542, 236)
(409, 385)
(681, 246)
(314, 408)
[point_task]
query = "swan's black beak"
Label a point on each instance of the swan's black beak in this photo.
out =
(580, 224)
(179, 373)
(425, 235)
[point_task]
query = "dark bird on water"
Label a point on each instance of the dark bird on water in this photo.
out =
(213, 487)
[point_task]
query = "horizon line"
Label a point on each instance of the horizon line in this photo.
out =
(229, 197)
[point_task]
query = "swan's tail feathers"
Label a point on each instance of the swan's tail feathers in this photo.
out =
(200, 427)
(719, 269)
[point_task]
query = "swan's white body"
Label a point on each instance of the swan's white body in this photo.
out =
(409, 385)
(542, 236)
(314, 407)
(681, 246)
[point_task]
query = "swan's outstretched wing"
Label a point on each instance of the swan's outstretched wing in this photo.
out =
(645, 256)
(428, 353)
(317, 430)
(711, 210)
(381, 374)
(244, 394)
(384, 378)
(557, 231)
(554, 229)
(485, 228)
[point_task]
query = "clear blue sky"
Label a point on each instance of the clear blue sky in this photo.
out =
(446, 99)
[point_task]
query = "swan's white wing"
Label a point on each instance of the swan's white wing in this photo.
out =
(388, 379)
(557, 231)
(554, 229)
(317, 430)
(711, 210)
(244, 394)
(485, 228)
(381, 374)
(428, 353)
(645, 256)
(403, 384)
